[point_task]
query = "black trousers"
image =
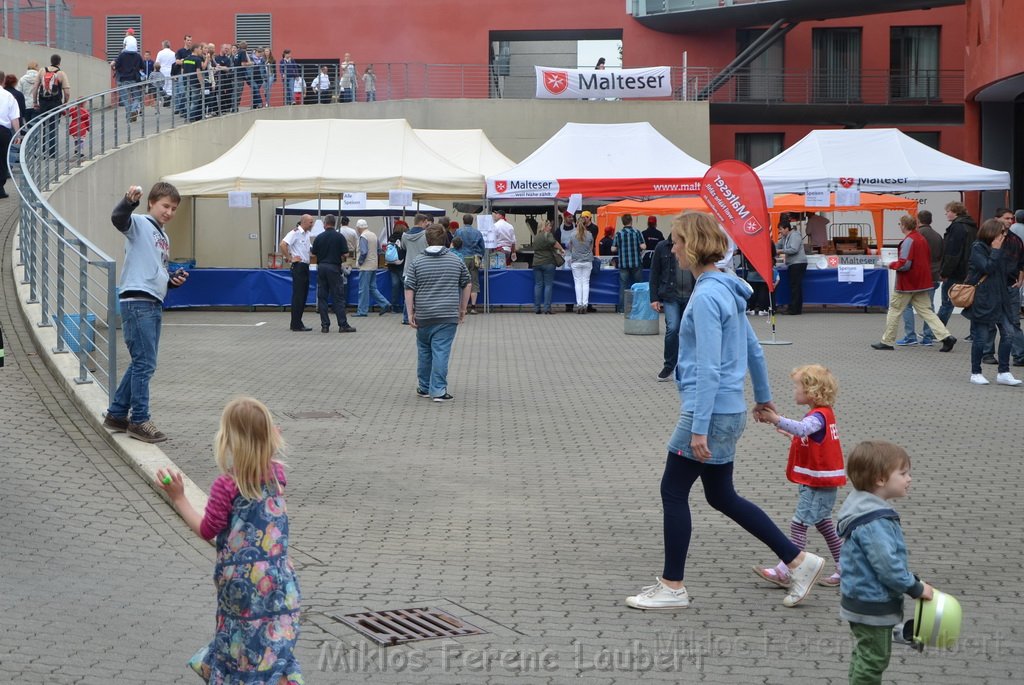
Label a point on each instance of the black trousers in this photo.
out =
(5, 143)
(300, 288)
(330, 283)
(796, 287)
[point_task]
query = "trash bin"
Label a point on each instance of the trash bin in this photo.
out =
(640, 318)
(70, 332)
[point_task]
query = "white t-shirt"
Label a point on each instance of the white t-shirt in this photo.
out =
(164, 61)
(129, 44)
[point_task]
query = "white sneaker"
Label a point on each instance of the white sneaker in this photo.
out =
(978, 379)
(803, 578)
(1007, 378)
(659, 596)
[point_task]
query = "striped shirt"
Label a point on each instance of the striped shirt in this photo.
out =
(630, 244)
(436, 278)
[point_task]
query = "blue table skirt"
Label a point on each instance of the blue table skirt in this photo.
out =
(273, 288)
(822, 286)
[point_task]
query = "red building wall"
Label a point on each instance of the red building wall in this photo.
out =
(993, 47)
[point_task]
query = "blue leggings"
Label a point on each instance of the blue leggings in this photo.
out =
(680, 475)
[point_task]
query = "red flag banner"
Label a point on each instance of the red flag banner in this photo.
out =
(736, 197)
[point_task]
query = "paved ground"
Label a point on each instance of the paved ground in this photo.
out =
(529, 506)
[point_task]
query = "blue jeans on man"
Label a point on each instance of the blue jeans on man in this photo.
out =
(946, 306)
(433, 348)
(927, 337)
(673, 315)
(627, 277)
(1014, 332)
(368, 287)
(398, 294)
(131, 97)
(140, 326)
(543, 286)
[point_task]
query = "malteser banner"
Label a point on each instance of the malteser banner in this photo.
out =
(576, 84)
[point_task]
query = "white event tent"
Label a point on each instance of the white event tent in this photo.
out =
(882, 160)
(600, 162)
(468, 148)
(296, 158)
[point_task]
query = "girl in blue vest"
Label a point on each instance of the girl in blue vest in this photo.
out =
(815, 465)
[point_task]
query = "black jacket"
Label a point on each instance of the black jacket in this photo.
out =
(668, 282)
(991, 298)
(956, 247)
(128, 65)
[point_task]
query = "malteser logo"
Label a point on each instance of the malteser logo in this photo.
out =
(752, 226)
(555, 82)
(500, 186)
(846, 181)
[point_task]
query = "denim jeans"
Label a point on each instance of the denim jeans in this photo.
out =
(946, 306)
(983, 336)
(1016, 335)
(140, 326)
(543, 285)
(398, 293)
(367, 287)
(433, 347)
(194, 100)
(132, 97)
(908, 318)
(673, 315)
(627, 277)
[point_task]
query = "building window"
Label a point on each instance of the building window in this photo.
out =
(757, 148)
(837, 64)
(914, 62)
(761, 80)
(254, 29)
(929, 138)
(116, 26)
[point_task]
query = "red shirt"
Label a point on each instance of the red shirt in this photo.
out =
(919, 275)
(818, 461)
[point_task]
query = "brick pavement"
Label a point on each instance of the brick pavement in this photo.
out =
(530, 505)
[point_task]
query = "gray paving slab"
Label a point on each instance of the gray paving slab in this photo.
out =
(529, 504)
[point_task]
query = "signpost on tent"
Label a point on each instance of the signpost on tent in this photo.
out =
(736, 197)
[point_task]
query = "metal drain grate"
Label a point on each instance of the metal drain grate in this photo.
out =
(316, 414)
(398, 626)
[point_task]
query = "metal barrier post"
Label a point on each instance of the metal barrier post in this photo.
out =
(60, 348)
(83, 318)
(113, 312)
(44, 299)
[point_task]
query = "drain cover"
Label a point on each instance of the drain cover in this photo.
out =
(316, 414)
(397, 626)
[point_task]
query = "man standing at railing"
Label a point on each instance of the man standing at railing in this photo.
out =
(10, 122)
(179, 87)
(225, 79)
(143, 286)
(165, 62)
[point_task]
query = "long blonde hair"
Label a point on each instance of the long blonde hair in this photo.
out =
(703, 241)
(245, 445)
(581, 231)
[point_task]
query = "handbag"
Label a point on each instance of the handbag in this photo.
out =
(558, 258)
(962, 294)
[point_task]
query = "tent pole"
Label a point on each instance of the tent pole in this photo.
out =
(193, 227)
(259, 232)
(487, 266)
(771, 318)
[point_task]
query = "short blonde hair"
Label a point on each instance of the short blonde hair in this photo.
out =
(703, 241)
(245, 445)
(908, 222)
(818, 382)
(957, 208)
(874, 460)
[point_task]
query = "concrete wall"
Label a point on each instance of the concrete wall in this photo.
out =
(516, 127)
(86, 74)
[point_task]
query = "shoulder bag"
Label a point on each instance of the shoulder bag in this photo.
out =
(962, 294)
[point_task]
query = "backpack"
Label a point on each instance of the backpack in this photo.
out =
(51, 88)
(391, 254)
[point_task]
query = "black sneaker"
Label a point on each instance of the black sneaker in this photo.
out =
(325, 329)
(444, 398)
(146, 432)
(883, 346)
(989, 359)
(665, 374)
(115, 424)
(346, 329)
(422, 393)
(947, 344)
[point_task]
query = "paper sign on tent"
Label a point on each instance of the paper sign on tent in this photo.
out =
(239, 199)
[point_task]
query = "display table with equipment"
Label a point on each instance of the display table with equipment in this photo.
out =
(273, 288)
